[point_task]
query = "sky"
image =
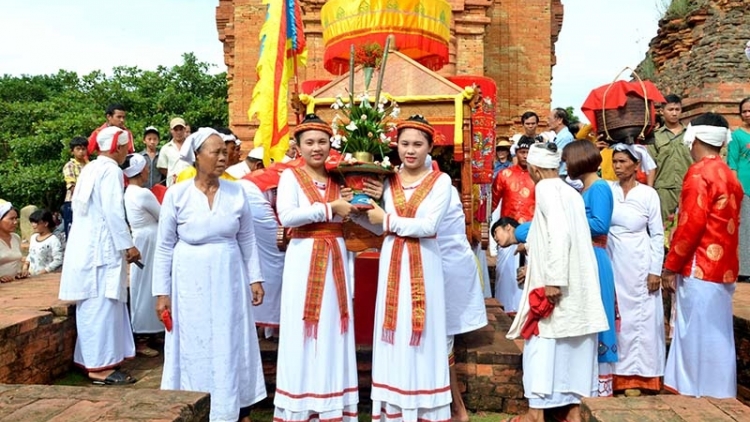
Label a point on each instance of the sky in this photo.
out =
(599, 38)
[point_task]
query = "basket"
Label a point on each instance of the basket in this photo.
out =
(629, 123)
(624, 123)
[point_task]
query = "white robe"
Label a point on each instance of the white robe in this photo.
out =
(271, 258)
(412, 381)
(561, 254)
(560, 364)
(484, 271)
(635, 254)
(94, 268)
(701, 360)
(205, 260)
(313, 376)
(465, 310)
(507, 290)
(142, 210)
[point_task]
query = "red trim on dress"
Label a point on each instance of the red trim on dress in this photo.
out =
(316, 395)
(411, 392)
(104, 368)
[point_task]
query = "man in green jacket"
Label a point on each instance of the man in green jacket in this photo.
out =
(671, 155)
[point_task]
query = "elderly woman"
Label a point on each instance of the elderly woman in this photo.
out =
(583, 160)
(636, 245)
(207, 275)
(10, 247)
(142, 210)
(409, 356)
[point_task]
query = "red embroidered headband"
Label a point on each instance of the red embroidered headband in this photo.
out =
(416, 124)
(313, 122)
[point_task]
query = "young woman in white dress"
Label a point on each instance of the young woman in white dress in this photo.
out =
(410, 380)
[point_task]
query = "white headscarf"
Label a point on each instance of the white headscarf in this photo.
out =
(713, 135)
(640, 153)
(540, 156)
(5, 206)
(194, 141)
(109, 138)
(137, 164)
(231, 138)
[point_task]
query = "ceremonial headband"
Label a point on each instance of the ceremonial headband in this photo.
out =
(313, 122)
(416, 122)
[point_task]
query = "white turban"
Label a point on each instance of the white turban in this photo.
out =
(640, 153)
(713, 135)
(137, 163)
(540, 156)
(231, 138)
(194, 141)
(109, 138)
(5, 206)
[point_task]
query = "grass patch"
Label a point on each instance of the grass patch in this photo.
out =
(74, 378)
(678, 9)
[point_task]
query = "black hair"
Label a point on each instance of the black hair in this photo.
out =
(710, 119)
(419, 119)
(561, 113)
(78, 141)
(742, 103)
(673, 99)
(224, 131)
(110, 111)
(575, 127)
(43, 215)
(501, 223)
(526, 142)
(529, 114)
(309, 118)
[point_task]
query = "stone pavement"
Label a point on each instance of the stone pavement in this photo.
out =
(663, 408)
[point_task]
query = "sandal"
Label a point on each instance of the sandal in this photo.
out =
(116, 378)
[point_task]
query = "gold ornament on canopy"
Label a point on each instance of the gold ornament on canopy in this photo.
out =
(421, 29)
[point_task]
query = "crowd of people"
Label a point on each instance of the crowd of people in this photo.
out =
(178, 246)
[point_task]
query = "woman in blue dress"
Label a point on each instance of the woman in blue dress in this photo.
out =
(583, 160)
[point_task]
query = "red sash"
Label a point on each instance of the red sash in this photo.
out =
(416, 271)
(324, 244)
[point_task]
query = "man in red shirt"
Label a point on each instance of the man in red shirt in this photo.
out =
(702, 266)
(513, 194)
(115, 116)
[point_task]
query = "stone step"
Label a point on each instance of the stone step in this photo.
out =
(669, 408)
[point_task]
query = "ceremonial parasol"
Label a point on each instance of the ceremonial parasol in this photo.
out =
(421, 29)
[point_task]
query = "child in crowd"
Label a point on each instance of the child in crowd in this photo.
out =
(45, 249)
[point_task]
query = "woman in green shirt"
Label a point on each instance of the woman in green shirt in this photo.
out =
(738, 159)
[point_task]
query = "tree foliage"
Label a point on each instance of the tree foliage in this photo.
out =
(40, 114)
(572, 116)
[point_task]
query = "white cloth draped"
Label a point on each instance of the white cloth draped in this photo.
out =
(271, 258)
(507, 290)
(412, 381)
(560, 254)
(95, 271)
(313, 376)
(484, 270)
(558, 372)
(636, 246)
(142, 210)
(205, 260)
(701, 360)
(465, 311)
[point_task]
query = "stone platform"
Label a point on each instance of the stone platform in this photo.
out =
(663, 408)
(32, 403)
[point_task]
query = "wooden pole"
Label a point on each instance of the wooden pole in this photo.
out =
(351, 74)
(382, 69)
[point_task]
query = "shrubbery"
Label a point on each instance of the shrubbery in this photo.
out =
(39, 115)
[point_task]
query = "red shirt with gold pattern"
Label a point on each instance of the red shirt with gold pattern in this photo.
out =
(516, 190)
(707, 232)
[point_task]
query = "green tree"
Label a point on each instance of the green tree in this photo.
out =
(572, 116)
(40, 114)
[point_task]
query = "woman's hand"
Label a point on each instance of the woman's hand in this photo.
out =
(520, 249)
(521, 276)
(376, 215)
(668, 281)
(132, 255)
(553, 294)
(653, 283)
(258, 293)
(341, 207)
(347, 194)
(162, 303)
(373, 188)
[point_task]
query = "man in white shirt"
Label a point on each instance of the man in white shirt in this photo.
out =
(253, 161)
(169, 163)
(558, 122)
(95, 271)
(561, 309)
